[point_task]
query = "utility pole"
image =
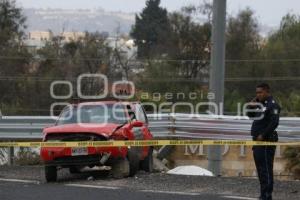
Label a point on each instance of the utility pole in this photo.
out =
(217, 73)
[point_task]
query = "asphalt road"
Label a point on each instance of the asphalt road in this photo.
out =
(24, 183)
(12, 190)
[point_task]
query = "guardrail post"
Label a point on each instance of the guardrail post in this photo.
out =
(164, 151)
(172, 124)
(10, 155)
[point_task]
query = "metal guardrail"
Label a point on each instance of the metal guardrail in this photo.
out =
(23, 127)
(223, 127)
(161, 125)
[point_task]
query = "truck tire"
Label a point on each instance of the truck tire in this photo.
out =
(50, 173)
(133, 162)
(120, 168)
(147, 163)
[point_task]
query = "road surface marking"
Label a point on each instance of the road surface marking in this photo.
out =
(171, 192)
(93, 186)
(238, 197)
(19, 181)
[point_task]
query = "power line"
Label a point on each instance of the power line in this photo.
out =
(245, 79)
(34, 78)
(42, 59)
(263, 60)
(226, 79)
(154, 79)
(162, 60)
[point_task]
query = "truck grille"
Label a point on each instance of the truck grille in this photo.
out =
(71, 137)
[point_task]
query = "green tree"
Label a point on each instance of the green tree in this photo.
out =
(242, 36)
(151, 30)
(185, 67)
(283, 47)
(66, 61)
(190, 44)
(243, 44)
(14, 57)
(12, 24)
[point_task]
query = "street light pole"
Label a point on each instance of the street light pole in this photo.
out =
(217, 73)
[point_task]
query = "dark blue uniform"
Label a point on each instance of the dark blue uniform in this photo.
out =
(265, 123)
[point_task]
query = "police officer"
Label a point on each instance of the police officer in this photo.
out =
(265, 113)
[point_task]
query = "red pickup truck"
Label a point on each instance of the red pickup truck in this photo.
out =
(98, 121)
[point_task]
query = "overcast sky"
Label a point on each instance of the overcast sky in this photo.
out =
(269, 12)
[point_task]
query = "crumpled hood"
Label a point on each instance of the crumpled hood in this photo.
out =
(102, 129)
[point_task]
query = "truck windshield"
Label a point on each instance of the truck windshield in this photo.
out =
(102, 113)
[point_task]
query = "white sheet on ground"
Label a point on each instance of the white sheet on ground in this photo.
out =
(190, 170)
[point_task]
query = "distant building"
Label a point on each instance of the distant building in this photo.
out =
(34, 45)
(72, 36)
(37, 39)
(48, 35)
(40, 35)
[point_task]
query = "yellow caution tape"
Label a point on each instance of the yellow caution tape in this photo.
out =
(114, 143)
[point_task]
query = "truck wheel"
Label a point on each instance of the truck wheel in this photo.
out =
(120, 168)
(147, 163)
(51, 173)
